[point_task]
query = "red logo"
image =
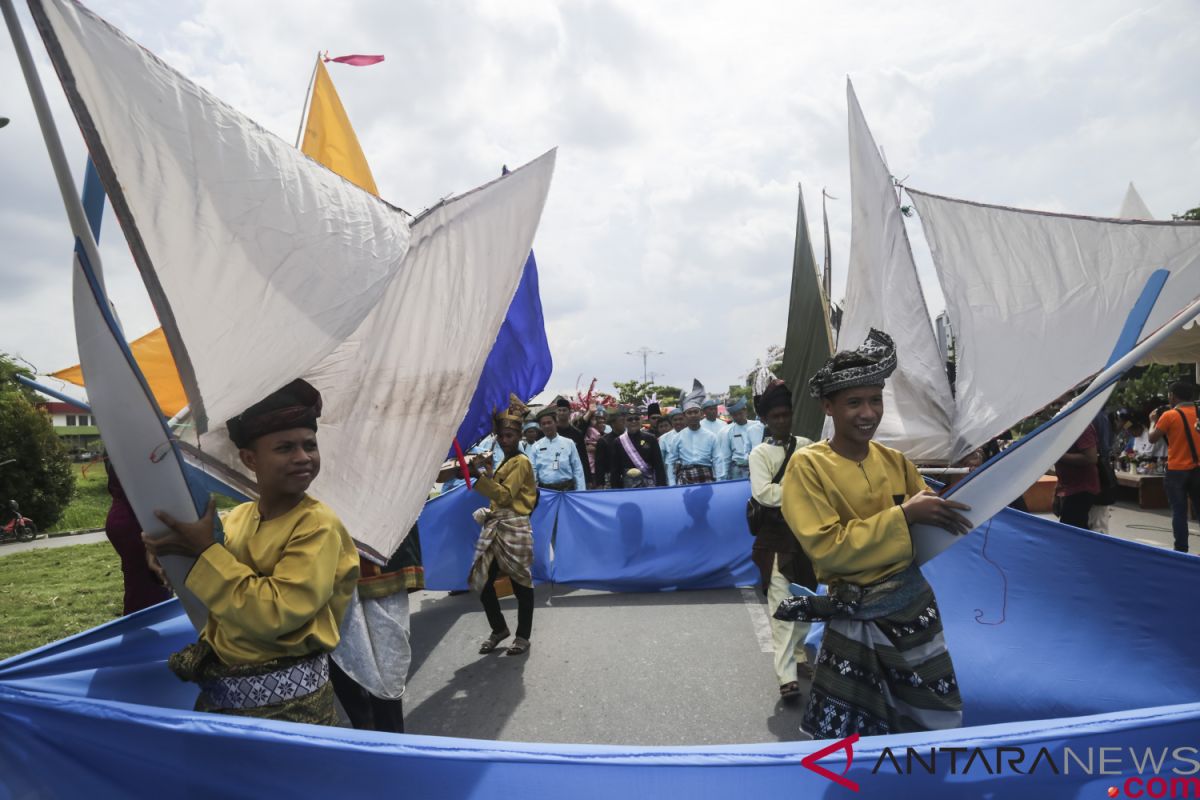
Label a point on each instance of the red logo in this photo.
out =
(847, 745)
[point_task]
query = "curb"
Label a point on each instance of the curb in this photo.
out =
(59, 534)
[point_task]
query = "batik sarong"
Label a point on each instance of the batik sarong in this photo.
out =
(693, 473)
(292, 689)
(883, 666)
(506, 538)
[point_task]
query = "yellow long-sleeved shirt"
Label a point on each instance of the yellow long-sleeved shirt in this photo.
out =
(512, 486)
(847, 514)
(277, 587)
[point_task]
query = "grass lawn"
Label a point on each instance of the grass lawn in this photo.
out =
(89, 504)
(48, 594)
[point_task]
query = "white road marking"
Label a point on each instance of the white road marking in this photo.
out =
(758, 619)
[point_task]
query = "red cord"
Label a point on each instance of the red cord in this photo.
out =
(462, 462)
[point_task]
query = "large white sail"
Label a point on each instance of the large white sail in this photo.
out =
(883, 291)
(396, 390)
(1033, 296)
(258, 260)
(264, 266)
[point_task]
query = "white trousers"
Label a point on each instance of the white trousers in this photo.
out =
(787, 637)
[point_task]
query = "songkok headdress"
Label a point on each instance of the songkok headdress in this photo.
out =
(511, 417)
(562, 402)
(710, 403)
(529, 426)
(296, 405)
(695, 397)
(775, 395)
(674, 412)
(869, 365)
(736, 407)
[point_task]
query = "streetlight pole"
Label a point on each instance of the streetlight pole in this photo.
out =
(645, 353)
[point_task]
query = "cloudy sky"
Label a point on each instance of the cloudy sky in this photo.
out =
(683, 130)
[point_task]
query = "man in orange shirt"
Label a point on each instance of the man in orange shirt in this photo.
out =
(1178, 425)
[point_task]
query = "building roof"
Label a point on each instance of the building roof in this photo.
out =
(63, 408)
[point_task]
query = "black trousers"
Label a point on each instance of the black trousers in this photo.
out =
(491, 605)
(1075, 508)
(366, 711)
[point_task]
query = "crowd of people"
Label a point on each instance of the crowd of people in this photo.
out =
(632, 446)
(296, 619)
(1165, 442)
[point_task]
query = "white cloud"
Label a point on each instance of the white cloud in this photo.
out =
(683, 127)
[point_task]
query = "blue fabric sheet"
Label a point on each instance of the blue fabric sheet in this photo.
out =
(661, 539)
(519, 361)
(448, 535)
(1060, 638)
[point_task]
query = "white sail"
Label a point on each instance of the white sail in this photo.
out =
(396, 390)
(1032, 297)
(882, 291)
(264, 266)
(258, 260)
(1133, 207)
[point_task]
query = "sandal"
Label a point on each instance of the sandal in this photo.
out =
(491, 642)
(519, 647)
(789, 690)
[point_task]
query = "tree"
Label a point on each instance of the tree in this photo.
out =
(39, 474)
(635, 391)
(1191, 215)
(1143, 388)
(631, 391)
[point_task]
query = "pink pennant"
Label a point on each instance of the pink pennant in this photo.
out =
(356, 60)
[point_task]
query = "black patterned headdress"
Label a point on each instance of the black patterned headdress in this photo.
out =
(869, 365)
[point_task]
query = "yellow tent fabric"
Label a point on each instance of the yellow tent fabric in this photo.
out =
(154, 357)
(328, 139)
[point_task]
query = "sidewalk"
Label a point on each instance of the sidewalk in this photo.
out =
(57, 539)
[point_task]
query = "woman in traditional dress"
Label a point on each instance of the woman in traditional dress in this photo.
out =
(883, 666)
(505, 543)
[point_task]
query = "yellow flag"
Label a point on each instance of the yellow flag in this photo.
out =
(328, 137)
(154, 357)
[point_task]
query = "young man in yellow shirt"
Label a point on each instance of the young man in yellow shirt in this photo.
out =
(505, 544)
(277, 587)
(883, 666)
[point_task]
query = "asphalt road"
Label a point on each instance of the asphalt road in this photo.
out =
(670, 668)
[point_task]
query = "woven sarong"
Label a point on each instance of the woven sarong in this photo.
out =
(641, 480)
(693, 473)
(289, 689)
(507, 539)
(891, 674)
(737, 471)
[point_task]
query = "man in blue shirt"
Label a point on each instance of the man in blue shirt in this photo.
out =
(556, 463)
(666, 441)
(694, 450)
(737, 440)
(710, 421)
